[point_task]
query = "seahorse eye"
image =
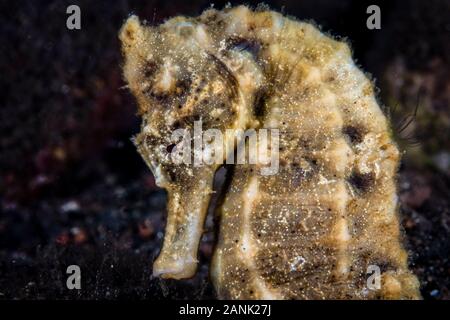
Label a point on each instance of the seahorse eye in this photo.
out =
(252, 46)
(149, 69)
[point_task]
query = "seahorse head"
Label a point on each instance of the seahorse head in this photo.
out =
(183, 76)
(180, 75)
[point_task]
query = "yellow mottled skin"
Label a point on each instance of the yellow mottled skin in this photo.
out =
(310, 231)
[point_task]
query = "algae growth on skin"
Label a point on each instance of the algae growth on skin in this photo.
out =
(330, 213)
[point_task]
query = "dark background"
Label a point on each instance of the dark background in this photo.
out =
(73, 189)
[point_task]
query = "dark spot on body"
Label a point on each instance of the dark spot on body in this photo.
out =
(330, 78)
(211, 18)
(151, 140)
(384, 265)
(182, 86)
(226, 75)
(188, 120)
(173, 178)
(354, 133)
(241, 44)
(362, 182)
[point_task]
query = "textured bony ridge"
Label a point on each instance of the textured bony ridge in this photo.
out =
(313, 229)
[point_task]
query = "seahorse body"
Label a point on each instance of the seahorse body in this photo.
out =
(312, 230)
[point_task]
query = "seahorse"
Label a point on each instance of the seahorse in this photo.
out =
(315, 228)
